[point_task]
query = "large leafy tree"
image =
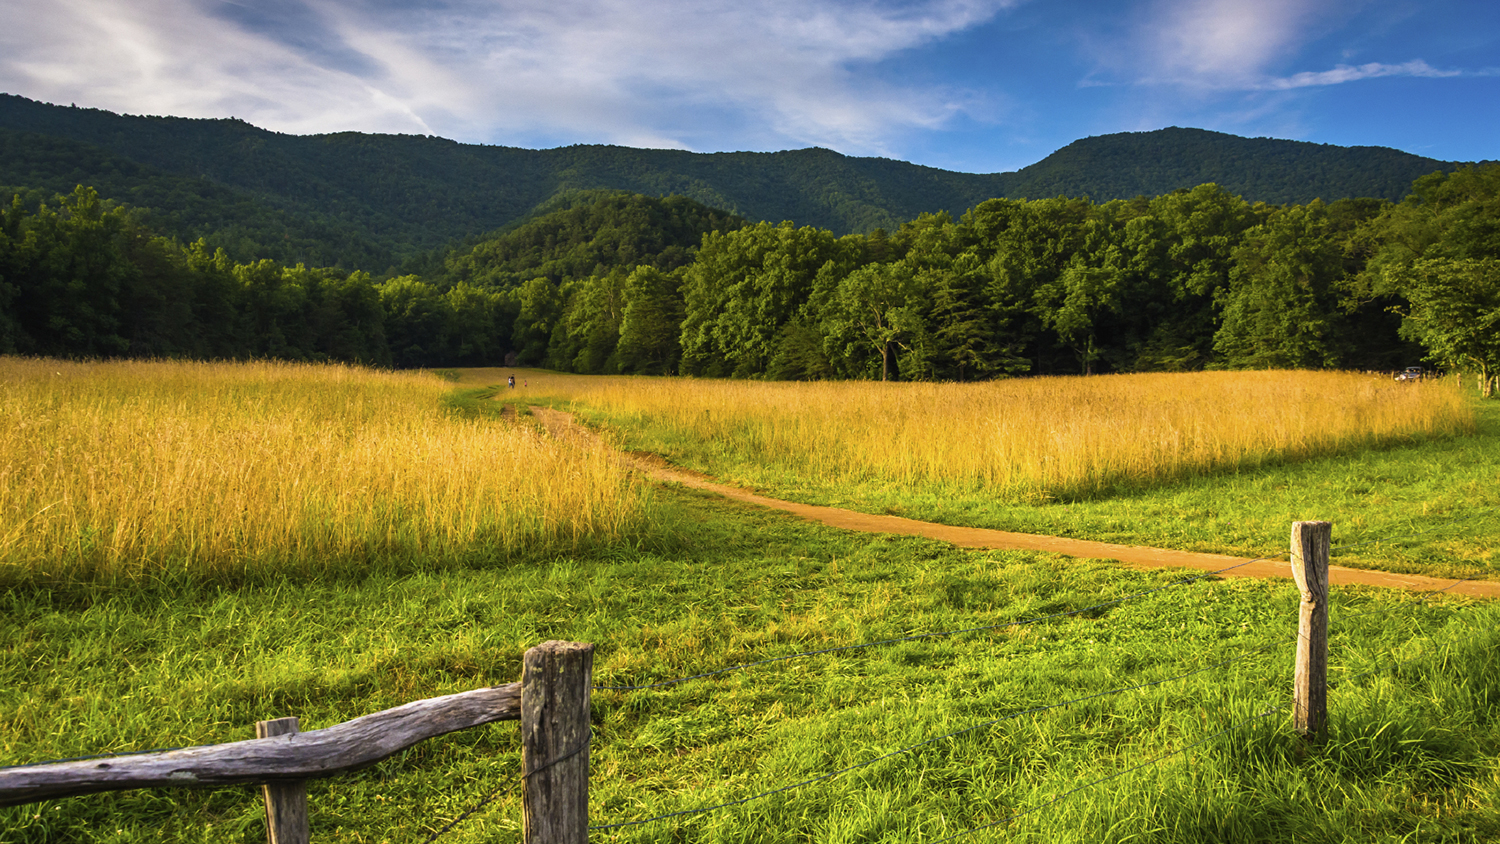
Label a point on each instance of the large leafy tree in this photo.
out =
(589, 329)
(744, 288)
(1022, 248)
(876, 311)
(538, 306)
(417, 323)
(1436, 259)
(68, 274)
(480, 324)
(963, 339)
(1455, 313)
(651, 325)
(1074, 302)
(1281, 306)
(1179, 249)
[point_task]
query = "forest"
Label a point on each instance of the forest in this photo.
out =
(383, 203)
(611, 282)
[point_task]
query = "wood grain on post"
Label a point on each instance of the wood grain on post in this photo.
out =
(556, 679)
(286, 802)
(1311, 543)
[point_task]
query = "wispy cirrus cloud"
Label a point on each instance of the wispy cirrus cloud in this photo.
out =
(1245, 45)
(172, 57)
(1370, 70)
(975, 84)
(641, 72)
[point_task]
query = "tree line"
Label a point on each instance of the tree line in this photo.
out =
(374, 202)
(628, 284)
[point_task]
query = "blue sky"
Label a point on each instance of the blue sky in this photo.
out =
(970, 85)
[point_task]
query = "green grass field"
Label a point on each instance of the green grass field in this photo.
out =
(1443, 492)
(1412, 754)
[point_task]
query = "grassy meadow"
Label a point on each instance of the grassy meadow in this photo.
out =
(1034, 439)
(1220, 462)
(116, 659)
(132, 471)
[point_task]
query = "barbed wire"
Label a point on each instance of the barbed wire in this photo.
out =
(1449, 522)
(476, 807)
(1033, 710)
(1022, 622)
(918, 636)
(1157, 759)
(525, 775)
(1425, 595)
(912, 748)
(1116, 775)
(944, 633)
(944, 737)
(1418, 601)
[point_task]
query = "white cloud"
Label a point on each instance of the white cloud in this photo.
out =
(167, 57)
(1210, 48)
(782, 66)
(1346, 73)
(639, 72)
(1216, 43)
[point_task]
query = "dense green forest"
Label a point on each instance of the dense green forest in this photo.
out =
(82, 277)
(385, 203)
(619, 283)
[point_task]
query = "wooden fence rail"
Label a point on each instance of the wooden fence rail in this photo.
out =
(294, 756)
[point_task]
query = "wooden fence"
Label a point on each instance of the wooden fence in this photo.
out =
(552, 704)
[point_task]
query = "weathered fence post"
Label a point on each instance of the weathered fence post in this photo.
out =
(286, 802)
(1311, 542)
(556, 678)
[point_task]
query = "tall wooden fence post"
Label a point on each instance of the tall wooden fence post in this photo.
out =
(286, 802)
(556, 678)
(1311, 542)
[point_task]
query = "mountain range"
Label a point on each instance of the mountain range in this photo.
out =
(377, 202)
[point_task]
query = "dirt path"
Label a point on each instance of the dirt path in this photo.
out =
(561, 425)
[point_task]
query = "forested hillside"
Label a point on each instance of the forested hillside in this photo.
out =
(1134, 164)
(612, 283)
(187, 206)
(375, 202)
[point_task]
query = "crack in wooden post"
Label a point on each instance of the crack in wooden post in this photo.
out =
(556, 681)
(1311, 544)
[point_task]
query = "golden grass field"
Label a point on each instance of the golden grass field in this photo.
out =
(124, 470)
(1025, 438)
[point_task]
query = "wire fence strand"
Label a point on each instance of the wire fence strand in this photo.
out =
(1157, 759)
(472, 809)
(1033, 710)
(1446, 523)
(943, 737)
(940, 634)
(1116, 775)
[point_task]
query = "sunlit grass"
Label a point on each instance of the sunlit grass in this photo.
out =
(1026, 439)
(1411, 753)
(118, 471)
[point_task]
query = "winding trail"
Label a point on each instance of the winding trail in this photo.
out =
(561, 425)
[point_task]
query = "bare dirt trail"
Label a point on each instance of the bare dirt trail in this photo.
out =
(560, 424)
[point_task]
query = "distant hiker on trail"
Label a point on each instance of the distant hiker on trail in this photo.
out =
(512, 382)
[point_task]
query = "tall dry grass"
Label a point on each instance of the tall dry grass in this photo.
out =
(1028, 438)
(115, 471)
